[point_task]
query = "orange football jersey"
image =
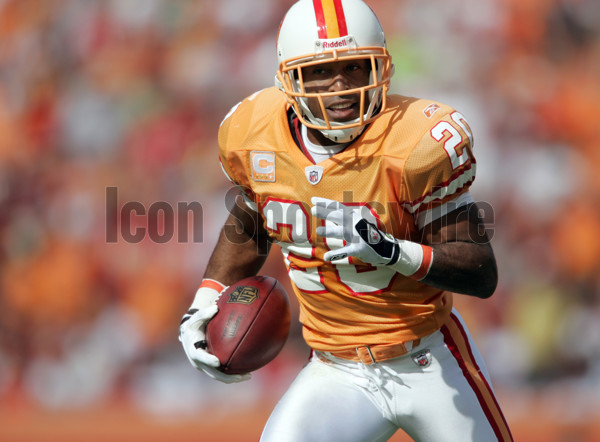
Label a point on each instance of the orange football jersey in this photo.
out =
(415, 156)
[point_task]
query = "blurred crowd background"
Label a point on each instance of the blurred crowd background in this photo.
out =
(126, 96)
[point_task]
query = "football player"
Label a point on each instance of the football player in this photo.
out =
(367, 193)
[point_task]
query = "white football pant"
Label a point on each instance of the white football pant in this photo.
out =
(439, 392)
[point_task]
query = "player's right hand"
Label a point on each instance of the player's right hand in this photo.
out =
(192, 334)
(364, 240)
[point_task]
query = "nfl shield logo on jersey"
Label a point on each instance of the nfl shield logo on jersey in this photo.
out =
(422, 358)
(313, 174)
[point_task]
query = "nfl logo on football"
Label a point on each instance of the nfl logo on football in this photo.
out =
(243, 295)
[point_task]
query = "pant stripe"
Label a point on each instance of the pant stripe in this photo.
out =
(457, 341)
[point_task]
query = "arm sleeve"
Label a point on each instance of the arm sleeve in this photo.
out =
(425, 217)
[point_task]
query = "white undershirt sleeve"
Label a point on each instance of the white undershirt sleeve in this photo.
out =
(428, 216)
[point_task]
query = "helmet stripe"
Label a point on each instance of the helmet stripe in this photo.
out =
(341, 18)
(331, 20)
(321, 25)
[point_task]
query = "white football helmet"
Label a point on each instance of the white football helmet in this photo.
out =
(320, 31)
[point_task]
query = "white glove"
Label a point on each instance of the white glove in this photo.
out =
(192, 334)
(363, 238)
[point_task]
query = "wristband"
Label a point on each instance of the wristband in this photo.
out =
(207, 294)
(212, 284)
(414, 259)
(423, 269)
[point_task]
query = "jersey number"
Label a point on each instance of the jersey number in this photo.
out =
(291, 221)
(444, 129)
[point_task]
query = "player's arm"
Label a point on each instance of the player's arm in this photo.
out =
(240, 252)
(455, 254)
(242, 247)
(462, 258)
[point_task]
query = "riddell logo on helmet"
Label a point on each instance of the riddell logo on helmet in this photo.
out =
(335, 44)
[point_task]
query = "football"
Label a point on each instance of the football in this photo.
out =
(251, 326)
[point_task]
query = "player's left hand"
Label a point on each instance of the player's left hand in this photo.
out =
(193, 338)
(192, 335)
(364, 239)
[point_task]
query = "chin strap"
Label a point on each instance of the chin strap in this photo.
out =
(341, 136)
